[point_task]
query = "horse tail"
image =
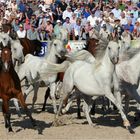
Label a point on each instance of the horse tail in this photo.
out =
(56, 68)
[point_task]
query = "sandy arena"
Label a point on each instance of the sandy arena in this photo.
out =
(109, 126)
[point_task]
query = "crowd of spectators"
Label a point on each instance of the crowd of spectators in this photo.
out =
(42, 19)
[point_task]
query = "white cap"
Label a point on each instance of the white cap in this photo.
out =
(58, 21)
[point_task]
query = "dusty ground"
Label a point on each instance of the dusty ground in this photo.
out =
(110, 126)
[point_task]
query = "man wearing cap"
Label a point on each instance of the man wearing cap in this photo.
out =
(21, 33)
(57, 27)
(32, 33)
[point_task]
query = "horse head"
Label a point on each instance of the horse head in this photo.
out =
(17, 51)
(113, 49)
(6, 57)
(4, 38)
(59, 47)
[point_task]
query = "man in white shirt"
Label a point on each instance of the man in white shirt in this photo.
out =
(92, 19)
(123, 19)
(21, 33)
(116, 11)
(67, 13)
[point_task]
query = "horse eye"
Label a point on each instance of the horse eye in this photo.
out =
(4, 38)
(109, 48)
(118, 48)
(55, 44)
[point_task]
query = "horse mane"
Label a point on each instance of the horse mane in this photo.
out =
(129, 53)
(100, 51)
(82, 54)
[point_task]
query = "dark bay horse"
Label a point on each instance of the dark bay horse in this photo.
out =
(30, 46)
(10, 86)
(92, 45)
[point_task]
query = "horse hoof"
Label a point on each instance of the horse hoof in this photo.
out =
(94, 125)
(130, 130)
(55, 123)
(10, 130)
(79, 117)
(43, 109)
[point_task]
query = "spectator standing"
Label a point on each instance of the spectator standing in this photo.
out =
(15, 25)
(28, 11)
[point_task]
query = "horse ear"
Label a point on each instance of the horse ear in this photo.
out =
(116, 39)
(9, 44)
(1, 45)
(110, 37)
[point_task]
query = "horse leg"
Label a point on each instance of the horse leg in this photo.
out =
(52, 94)
(135, 93)
(15, 101)
(78, 107)
(126, 108)
(47, 94)
(27, 91)
(6, 114)
(119, 107)
(70, 101)
(87, 108)
(58, 88)
(24, 106)
(67, 88)
(36, 87)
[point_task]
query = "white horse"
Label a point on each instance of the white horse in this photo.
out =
(128, 73)
(34, 68)
(16, 47)
(94, 80)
